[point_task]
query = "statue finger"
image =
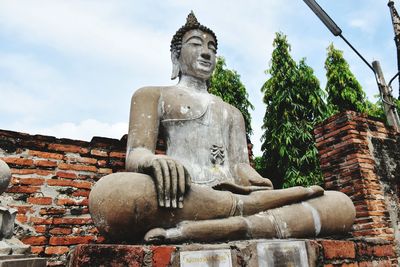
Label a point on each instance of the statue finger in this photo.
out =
(181, 184)
(167, 182)
(158, 175)
(174, 183)
(188, 180)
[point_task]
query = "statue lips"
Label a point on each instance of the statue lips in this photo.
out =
(204, 65)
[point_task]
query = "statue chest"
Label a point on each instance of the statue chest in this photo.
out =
(201, 142)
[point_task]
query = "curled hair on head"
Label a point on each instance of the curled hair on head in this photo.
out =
(191, 24)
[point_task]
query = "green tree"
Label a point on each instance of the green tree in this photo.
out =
(226, 84)
(294, 104)
(344, 91)
(377, 110)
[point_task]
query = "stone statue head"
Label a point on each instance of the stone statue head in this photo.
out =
(193, 50)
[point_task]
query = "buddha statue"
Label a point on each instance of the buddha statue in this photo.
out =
(204, 188)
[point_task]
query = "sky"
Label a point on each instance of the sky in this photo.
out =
(68, 68)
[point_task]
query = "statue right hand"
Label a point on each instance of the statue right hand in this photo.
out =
(172, 180)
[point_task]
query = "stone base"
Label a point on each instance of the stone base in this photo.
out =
(308, 253)
(22, 261)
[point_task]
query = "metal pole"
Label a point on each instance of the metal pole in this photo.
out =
(387, 99)
(396, 28)
(355, 50)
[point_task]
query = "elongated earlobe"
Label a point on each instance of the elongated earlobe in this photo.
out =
(175, 66)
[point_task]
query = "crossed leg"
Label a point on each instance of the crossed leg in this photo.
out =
(124, 207)
(330, 214)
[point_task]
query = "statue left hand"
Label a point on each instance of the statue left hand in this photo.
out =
(249, 177)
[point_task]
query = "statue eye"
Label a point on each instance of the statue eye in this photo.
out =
(195, 43)
(212, 48)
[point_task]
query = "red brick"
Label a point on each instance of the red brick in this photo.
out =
(338, 249)
(101, 163)
(18, 161)
(77, 167)
(99, 153)
(40, 228)
(41, 220)
(27, 181)
(60, 231)
(23, 189)
(35, 240)
(72, 202)
(68, 148)
(45, 163)
(40, 200)
(23, 208)
(21, 218)
(37, 249)
(52, 211)
(378, 263)
(69, 175)
(364, 249)
(59, 182)
(45, 155)
(81, 193)
(162, 256)
(355, 264)
(77, 184)
(57, 250)
(70, 240)
(73, 220)
(85, 160)
(117, 155)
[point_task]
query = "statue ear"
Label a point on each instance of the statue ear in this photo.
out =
(175, 65)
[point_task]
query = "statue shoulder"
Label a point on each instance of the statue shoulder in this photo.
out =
(233, 111)
(149, 93)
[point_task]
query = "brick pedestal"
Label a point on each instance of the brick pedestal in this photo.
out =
(243, 253)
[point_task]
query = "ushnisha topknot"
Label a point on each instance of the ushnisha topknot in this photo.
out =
(191, 24)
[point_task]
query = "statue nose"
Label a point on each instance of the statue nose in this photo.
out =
(206, 55)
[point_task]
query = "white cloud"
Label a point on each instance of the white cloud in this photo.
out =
(83, 130)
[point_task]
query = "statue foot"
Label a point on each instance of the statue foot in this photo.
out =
(155, 235)
(316, 191)
(171, 235)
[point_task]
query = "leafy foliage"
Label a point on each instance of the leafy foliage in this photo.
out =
(344, 91)
(295, 104)
(375, 109)
(226, 84)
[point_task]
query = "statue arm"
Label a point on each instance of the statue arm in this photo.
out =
(245, 174)
(170, 177)
(143, 127)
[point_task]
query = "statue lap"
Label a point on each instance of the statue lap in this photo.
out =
(124, 208)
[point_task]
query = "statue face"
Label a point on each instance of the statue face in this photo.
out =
(197, 56)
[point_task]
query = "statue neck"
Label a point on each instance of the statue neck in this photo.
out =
(193, 83)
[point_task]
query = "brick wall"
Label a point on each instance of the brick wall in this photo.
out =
(51, 181)
(351, 161)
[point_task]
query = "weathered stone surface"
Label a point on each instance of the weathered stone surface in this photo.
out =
(250, 253)
(5, 176)
(22, 261)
